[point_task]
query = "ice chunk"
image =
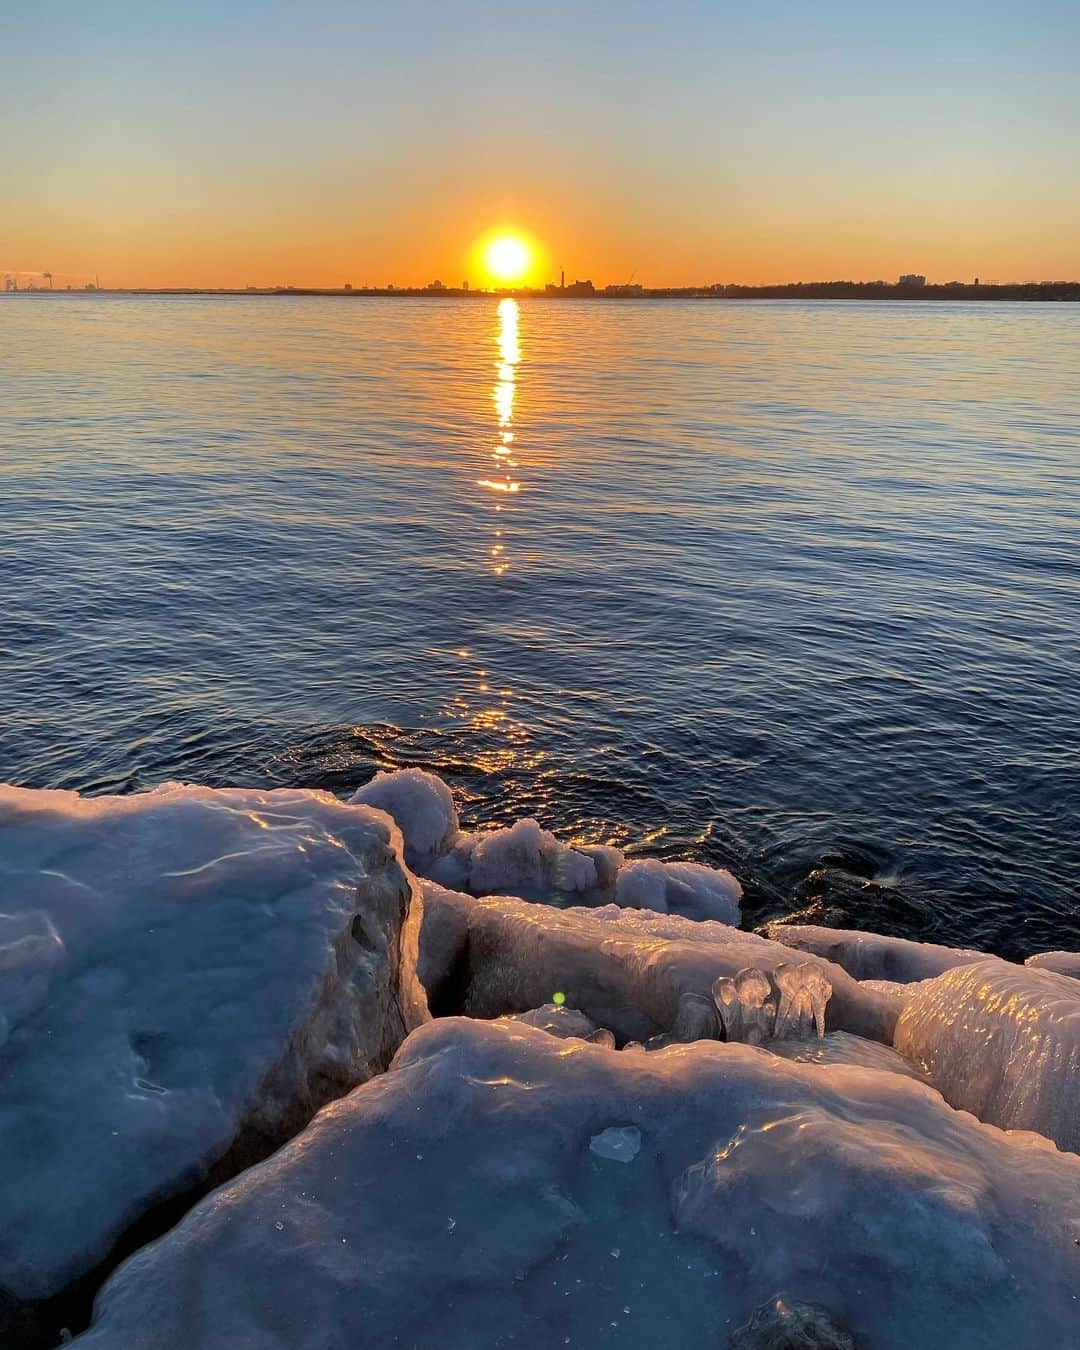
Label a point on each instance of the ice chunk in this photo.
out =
(1002, 1042)
(873, 956)
(627, 969)
(422, 807)
(620, 1143)
(528, 861)
(695, 1019)
(746, 1006)
(689, 889)
(754, 1008)
(642, 885)
(1063, 963)
(804, 992)
(186, 974)
(558, 1020)
(856, 1190)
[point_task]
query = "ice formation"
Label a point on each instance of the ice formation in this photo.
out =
(755, 1009)
(185, 975)
(626, 969)
(529, 862)
(619, 1143)
(463, 1191)
(804, 992)
(558, 1020)
(689, 889)
(422, 807)
(1063, 963)
(1003, 1042)
(872, 956)
(746, 1006)
(841, 1047)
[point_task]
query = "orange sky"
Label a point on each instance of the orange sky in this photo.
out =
(696, 145)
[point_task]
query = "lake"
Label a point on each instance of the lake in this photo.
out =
(786, 587)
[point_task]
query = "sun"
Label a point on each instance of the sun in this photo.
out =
(508, 258)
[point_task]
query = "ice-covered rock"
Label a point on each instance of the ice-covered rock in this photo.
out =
(686, 888)
(522, 860)
(558, 1020)
(627, 969)
(185, 975)
(422, 807)
(873, 956)
(529, 862)
(1062, 963)
(463, 1200)
(786, 1324)
(1002, 1042)
(841, 1047)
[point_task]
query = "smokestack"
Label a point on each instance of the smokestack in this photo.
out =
(562, 280)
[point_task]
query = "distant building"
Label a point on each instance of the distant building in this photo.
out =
(912, 279)
(627, 289)
(579, 288)
(348, 286)
(464, 285)
(436, 285)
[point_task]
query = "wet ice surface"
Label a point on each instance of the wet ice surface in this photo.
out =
(1002, 1042)
(182, 973)
(487, 1191)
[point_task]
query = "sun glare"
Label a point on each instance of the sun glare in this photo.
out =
(508, 258)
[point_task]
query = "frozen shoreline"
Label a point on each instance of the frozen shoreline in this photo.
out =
(187, 975)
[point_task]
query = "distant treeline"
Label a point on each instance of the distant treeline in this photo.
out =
(796, 290)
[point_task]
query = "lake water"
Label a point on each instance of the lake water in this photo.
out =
(788, 587)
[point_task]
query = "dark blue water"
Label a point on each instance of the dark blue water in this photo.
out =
(787, 587)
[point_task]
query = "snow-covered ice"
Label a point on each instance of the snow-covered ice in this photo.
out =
(529, 862)
(690, 889)
(465, 1196)
(422, 807)
(1003, 1042)
(185, 975)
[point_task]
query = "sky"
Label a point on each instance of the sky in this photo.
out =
(680, 142)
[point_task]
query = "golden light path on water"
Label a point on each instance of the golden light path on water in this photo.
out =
(499, 484)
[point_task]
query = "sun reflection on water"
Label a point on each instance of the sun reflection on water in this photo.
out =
(500, 740)
(501, 479)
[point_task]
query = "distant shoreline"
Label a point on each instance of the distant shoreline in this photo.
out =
(843, 290)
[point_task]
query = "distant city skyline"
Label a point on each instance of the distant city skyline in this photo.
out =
(699, 141)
